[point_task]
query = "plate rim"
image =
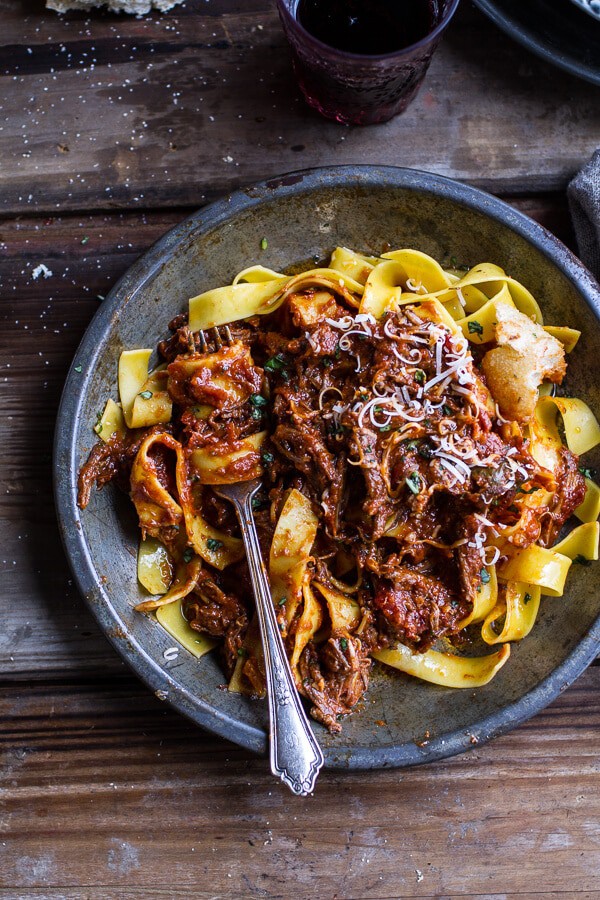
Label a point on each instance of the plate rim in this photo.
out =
(65, 462)
(515, 30)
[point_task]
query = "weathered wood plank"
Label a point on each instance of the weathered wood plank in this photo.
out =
(147, 805)
(46, 628)
(106, 111)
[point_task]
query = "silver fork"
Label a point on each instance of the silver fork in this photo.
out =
(295, 755)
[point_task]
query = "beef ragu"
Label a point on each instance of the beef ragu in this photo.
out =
(402, 486)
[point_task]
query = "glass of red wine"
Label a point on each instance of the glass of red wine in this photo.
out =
(362, 61)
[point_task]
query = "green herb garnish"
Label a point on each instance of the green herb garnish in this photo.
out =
(532, 490)
(587, 473)
(268, 458)
(276, 364)
(475, 327)
(420, 376)
(264, 244)
(282, 601)
(485, 576)
(78, 369)
(188, 554)
(526, 599)
(413, 482)
(214, 544)
(258, 400)
(146, 395)
(343, 643)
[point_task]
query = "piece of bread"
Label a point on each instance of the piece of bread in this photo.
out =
(133, 7)
(525, 356)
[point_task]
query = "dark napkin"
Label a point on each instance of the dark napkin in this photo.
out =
(584, 202)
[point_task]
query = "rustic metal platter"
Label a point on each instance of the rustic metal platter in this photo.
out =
(304, 215)
(563, 32)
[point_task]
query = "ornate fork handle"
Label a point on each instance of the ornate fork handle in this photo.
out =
(295, 754)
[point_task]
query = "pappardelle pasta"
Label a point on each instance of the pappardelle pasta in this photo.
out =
(417, 470)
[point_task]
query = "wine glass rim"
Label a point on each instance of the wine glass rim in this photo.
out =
(285, 7)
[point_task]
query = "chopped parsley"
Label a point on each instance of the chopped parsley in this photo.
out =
(475, 327)
(282, 601)
(344, 644)
(412, 445)
(277, 363)
(268, 458)
(258, 400)
(425, 450)
(84, 240)
(581, 560)
(327, 362)
(188, 554)
(78, 369)
(532, 490)
(146, 395)
(214, 544)
(241, 651)
(485, 576)
(413, 482)
(420, 376)
(447, 410)
(264, 244)
(385, 427)
(258, 501)
(526, 599)
(587, 473)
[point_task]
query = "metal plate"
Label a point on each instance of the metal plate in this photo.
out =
(589, 6)
(305, 215)
(552, 29)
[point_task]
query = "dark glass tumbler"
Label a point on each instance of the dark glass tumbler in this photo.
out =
(356, 89)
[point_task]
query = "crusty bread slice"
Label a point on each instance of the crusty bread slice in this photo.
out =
(525, 356)
(133, 7)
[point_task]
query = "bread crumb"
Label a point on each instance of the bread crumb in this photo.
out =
(131, 7)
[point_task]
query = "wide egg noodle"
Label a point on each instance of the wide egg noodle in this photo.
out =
(519, 608)
(111, 422)
(344, 612)
(213, 467)
(156, 507)
(445, 669)
(291, 546)
(581, 542)
(224, 305)
(486, 597)
(355, 265)
(186, 579)
(589, 509)
(174, 622)
(154, 566)
(305, 626)
(546, 568)
(582, 431)
(214, 546)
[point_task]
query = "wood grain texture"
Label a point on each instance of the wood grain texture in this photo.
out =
(46, 628)
(107, 793)
(103, 111)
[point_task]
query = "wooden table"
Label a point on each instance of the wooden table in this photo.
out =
(111, 130)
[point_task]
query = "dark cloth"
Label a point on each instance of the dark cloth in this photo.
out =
(584, 202)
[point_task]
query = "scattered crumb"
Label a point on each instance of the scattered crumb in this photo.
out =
(41, 270)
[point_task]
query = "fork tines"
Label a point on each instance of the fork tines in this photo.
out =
(216, 338)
